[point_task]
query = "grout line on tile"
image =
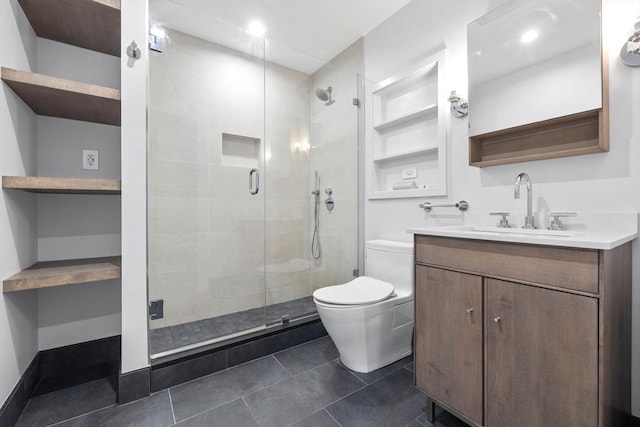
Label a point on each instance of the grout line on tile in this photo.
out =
(331, 415)
(173, 414)
(253, 417)
(386, 375)
(82, 415)
(240, 397)
(297, 420)
(339, 363)
(345, 396)
(417, 420)
(280, 363)
(365, 385)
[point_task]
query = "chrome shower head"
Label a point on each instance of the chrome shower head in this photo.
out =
(325, 95)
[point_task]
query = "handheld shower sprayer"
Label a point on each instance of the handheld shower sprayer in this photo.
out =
(316, 251)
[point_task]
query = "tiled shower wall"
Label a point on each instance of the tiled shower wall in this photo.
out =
(207, 250)
(286, 184)
(334, 154)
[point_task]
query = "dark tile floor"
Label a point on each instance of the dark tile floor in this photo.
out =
(304, 386)
(171, 337)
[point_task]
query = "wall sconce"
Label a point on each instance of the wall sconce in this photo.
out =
(459, 107)
(630, 52)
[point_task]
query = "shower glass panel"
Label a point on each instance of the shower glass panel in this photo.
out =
(237, 135)
(312, 146)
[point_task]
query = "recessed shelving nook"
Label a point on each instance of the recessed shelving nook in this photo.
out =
(409, 133)
(93, 25)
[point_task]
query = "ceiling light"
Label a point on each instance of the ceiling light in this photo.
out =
(529, 36)
(257, 29)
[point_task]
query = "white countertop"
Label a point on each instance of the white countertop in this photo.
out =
(588, 231)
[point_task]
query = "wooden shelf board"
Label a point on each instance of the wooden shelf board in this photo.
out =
(398, 156)
(421, 113)
(51, 96)
(90, 24)
(59, 273)
(572, 135)
(39, 184)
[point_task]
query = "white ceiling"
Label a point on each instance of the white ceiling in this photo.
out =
(302, 34)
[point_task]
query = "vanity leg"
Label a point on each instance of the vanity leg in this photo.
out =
(431, 410)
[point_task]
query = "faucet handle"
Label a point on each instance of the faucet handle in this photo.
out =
(556, 224)
(504, 221)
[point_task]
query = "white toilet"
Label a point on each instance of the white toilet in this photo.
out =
(370, 319)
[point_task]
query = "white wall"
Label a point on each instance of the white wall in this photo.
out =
(598, 182)
(18, 311)
(134, 24)
(77, 226)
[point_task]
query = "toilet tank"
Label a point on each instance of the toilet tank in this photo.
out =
(392, 262)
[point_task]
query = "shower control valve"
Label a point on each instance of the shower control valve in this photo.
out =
(329, 203)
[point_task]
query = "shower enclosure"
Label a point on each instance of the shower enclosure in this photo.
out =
(245, 158)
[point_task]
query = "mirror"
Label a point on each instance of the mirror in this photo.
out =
(531, 61)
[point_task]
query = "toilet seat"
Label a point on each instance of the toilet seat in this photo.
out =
(360, 291)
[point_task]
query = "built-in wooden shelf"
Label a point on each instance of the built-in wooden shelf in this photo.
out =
(406, 118)
(51, 96)
(41, 184)
(91, 24)
(59, 273)
(573, 135)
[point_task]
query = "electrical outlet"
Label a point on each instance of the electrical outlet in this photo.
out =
(90, 160)
(409, 173)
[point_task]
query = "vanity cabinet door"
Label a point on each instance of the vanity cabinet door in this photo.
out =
(449, 339)
(542, 357)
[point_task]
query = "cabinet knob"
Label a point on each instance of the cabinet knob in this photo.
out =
(497, 319)
(469, 310)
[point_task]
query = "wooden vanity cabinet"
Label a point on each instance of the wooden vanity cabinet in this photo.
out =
(499, 345)
(452, 370)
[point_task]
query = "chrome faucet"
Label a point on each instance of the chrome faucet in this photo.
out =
(528, 220)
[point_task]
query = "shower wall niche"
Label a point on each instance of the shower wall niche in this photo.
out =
(240, 151)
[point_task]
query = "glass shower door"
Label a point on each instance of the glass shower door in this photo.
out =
(206, 198)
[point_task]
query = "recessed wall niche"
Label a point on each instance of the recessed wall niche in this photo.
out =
(240, 151)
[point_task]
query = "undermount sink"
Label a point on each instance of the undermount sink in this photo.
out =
(520, 231)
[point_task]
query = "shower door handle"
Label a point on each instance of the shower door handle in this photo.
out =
(253, 190)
